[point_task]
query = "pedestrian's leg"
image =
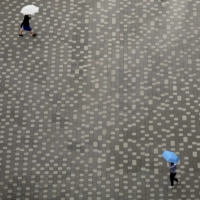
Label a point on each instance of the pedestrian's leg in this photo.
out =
(32, 33)
(175, 178)
(172, 179)
(20, 32)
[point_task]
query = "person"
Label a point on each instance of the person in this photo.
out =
(172, 168)
(25, 26)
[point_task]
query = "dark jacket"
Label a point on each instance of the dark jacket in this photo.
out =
(172, 168)
(26, 21)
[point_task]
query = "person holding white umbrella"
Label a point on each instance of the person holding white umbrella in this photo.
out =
(25, 26)
(28, 11)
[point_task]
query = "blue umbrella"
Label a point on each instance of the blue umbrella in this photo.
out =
(170, 157)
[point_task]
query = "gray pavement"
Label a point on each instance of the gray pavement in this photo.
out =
(89, 105)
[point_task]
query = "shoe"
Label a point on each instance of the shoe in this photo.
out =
(171, 186)
(20, 35)
(34, 34)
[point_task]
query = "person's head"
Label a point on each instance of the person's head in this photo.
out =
(172, 163)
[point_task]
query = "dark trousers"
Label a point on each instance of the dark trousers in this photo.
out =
(172, 178)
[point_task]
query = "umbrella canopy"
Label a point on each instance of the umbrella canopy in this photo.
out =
(170, 156)
(29, 10)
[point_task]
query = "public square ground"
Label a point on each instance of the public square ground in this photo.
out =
(88, 106)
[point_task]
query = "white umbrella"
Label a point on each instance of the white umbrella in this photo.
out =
(29, 10)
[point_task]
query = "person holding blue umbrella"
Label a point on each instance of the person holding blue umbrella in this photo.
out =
(172, 168)
(173, 159)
